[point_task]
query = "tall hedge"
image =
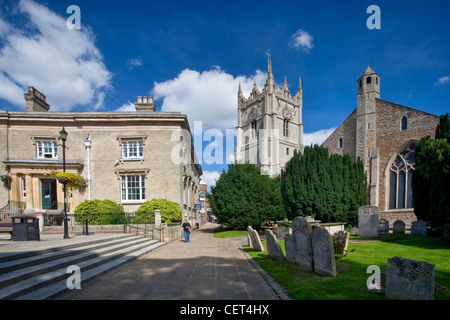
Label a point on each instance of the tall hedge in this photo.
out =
(328, 188)
(170, 211)
(99, 212)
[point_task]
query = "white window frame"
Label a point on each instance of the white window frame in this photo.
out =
(132, 149)
(46, 147)
(132, 188)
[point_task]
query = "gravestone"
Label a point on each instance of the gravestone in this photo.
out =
(301, 232)
(323, 252)
(398, 227)
(383, 227)
(368, 221)
(419, 228)
(273, 247)
(409, 279)
(256, 240)
(289, 247)
(340, 240)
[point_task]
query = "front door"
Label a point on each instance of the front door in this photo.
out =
(48, 193)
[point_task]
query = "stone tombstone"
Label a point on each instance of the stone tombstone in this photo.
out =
(340, 240)
(301, 232)
(383, 227)
(398, 227)
(256, 240)
(368, 221)
(289, 247)
(419, 228)
(409, 279)
(273, 247)
(323, 252)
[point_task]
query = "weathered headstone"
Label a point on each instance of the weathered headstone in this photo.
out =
(301, 232)
(273, 246)
(256, 240)
(398, 227)
(354, 231)
(323, 252)
(289, 247)
(368, 221)
(419, 228)
(340, 240)
(409, 279)
(383, 227)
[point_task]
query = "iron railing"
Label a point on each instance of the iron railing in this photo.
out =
(12, 208)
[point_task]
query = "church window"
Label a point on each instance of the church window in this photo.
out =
(376, 79)
(287, 151)
(369, 80)
(286, 128)
(400, 196)
(341, 143)
(404, 123)
(254, 128)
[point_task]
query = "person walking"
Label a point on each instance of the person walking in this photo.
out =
(187, 230)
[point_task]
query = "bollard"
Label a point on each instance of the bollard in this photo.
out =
(87, 232)
(36, 230)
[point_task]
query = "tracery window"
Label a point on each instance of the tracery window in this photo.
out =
(401, 171)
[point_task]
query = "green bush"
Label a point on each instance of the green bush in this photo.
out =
(100, 212)
(170, 211)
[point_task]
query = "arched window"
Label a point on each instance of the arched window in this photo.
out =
(254, 129)
(400, 195)
(404, 123)
(286, 128)
(369, 80)
(341, 142)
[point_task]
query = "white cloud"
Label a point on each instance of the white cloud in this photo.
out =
(302, 40)
(443, 81)
(210, 177)
(42, 52)
(134, 63)
(126, 107)
(209, 96)
(317, 137)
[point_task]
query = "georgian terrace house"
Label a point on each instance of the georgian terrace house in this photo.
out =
(126, 157)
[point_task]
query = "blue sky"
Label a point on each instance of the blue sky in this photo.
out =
(191, 56)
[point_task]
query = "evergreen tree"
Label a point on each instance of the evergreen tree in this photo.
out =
(430, 179)
(329, 188)
(243, 197)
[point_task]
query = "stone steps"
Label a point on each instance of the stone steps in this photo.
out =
(42, 274)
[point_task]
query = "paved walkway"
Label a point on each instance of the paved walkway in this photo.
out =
(206, 268)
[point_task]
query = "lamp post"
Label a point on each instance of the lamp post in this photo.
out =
(88, 144)
(63, 137)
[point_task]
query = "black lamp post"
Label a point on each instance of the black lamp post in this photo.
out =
(63, 137)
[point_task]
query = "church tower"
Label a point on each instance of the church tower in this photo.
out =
(366, 128)
(269, 126)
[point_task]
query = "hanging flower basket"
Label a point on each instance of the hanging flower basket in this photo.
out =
(6, 181)
(71, 180)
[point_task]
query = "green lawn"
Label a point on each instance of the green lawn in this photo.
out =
(350, 283)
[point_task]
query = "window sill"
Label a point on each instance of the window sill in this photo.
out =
(127, 202)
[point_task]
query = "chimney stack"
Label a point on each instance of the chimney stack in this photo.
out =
(145, 104)
(36, 101)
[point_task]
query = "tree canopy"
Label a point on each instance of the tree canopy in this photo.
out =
(244, 197)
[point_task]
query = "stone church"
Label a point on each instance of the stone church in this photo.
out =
(384, 136)
(269, 126)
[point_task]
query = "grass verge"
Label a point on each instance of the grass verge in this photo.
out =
(350, 283)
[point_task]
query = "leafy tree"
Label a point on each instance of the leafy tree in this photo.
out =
(329, 188)
(170, 211)
(243, 197)
(430, 179)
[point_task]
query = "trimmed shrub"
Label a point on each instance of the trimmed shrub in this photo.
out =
(170, 211)
(100, 212)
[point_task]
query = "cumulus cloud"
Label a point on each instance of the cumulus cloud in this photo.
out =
(443, 81)
(134, 63)
(302, 40)
(317, 137)
(39, 50)
(208, 96)
(210, 177)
